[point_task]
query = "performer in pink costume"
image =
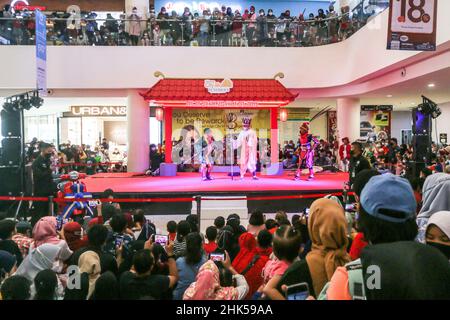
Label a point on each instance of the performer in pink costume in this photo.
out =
(248, 141)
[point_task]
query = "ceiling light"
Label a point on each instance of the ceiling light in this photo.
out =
(389, 96)
(431, 85)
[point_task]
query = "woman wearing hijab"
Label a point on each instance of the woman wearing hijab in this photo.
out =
(44, 232)
(327, 228)
(41, 258)
(209, 284)
(72, 235)
(7, 265)
(435, 195)
(89, 263)
(438, 232)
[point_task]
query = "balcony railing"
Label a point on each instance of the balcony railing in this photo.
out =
(189, 31)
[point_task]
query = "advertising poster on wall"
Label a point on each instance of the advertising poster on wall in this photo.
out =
(412, 25)
(332, 127)
(375, 122)
(220, 121)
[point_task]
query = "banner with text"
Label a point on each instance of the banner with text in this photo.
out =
(41, 52)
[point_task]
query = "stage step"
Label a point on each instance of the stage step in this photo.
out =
(225, 169)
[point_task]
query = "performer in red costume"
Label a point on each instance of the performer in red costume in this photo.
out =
(306, 151)
(344, 153)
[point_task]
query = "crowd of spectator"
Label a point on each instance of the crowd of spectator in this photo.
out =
(211, 27)
(82, 158)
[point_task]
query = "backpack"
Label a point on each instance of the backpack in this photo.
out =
(250, 265)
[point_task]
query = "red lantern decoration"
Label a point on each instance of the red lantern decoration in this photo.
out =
(283, 115)
(159, 114)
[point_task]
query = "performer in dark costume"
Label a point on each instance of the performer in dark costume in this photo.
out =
(306, 151)
(207, 154)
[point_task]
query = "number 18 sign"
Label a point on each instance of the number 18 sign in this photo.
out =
(412, 25)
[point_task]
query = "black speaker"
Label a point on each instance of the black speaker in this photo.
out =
(421, 122)
(11, 151)
(422, 148)
(11, 181)
(10, 123)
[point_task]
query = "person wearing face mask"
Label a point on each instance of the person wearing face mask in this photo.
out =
(438, 232)
(134, 27)
(248, 141)
(251, 27)
(43, 185)
(271, 19)
(357, 161)
(261, 28)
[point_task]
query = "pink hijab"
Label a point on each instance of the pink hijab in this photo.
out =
(207, 286)
(45, 232)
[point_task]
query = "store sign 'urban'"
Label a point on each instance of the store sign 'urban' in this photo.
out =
(98, 111)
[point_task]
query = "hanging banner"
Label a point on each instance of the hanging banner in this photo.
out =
(375, 122)
(41, 53)
(332, 127)
(412, 25)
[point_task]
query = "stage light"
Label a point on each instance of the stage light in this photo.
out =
(15, 105)
(159, 114)
(283, 115)
(8, 106)
(36, 101)
(25, 104)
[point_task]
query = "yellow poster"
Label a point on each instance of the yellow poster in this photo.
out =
(221, 121)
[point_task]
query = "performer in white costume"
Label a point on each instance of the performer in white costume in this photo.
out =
(248, 141)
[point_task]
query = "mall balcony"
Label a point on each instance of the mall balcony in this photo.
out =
(338, 61)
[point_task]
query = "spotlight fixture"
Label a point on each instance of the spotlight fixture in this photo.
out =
(25, 103)
(36, 101)
(429, 107)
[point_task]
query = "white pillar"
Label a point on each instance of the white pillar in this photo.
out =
(348, 113)
(142, 6)
(138, 132)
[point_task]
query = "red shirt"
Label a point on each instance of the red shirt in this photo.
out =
(210, 247)
(172, 236)
(345, 148)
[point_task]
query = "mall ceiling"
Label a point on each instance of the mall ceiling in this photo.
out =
(403, 96)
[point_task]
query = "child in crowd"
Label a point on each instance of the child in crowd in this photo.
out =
(211, 236)
(286, 248)
(172, 230)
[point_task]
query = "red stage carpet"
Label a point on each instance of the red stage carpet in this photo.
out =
(191, 183)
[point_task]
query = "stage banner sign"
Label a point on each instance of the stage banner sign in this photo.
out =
(219, 120)
(375, 122)
(41, 52)
(412, 25)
